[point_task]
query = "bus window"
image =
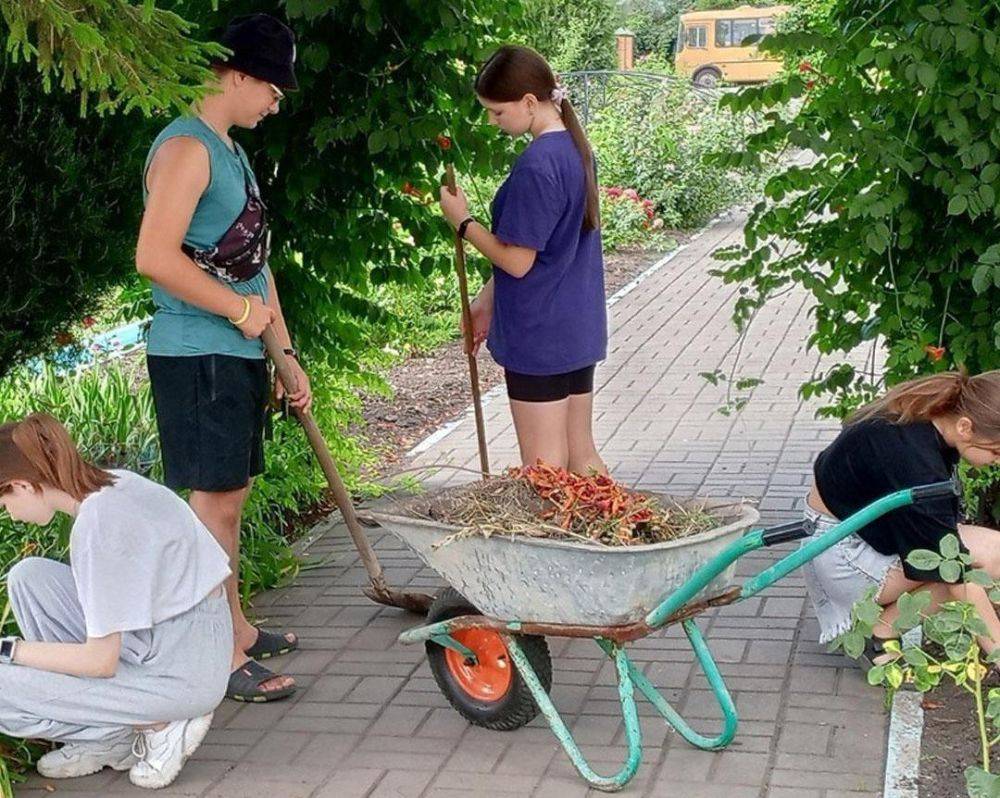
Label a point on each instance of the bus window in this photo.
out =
(734, 32)
(743, 29)
(695, 37)
(723, 33)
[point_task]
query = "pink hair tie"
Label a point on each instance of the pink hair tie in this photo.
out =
(559, 93)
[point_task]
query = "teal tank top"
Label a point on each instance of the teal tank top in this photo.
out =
(179, 328)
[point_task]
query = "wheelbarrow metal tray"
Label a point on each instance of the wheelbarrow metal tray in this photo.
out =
(542, 580)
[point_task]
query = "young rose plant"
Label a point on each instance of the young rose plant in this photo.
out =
(954, 626)
(627, 218)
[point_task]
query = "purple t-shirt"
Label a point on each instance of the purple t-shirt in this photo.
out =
(553, 319)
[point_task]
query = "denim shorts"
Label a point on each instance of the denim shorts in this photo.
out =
(840, 576)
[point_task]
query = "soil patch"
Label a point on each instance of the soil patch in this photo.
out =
(431, 388)
(950, 742)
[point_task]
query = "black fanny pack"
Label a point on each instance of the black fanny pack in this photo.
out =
(242, 252)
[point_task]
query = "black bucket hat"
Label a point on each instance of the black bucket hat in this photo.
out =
(263, 47)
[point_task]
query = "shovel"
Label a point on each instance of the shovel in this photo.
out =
(378, 590)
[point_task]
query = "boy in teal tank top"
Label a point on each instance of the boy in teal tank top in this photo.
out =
(180, 328)
(203, 244)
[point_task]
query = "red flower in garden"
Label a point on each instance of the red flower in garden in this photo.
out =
(805, 66)
(444, 142)
(613, 192)
(632, 194)
(409, 188)
(810, 84)
(89, 321)
(935, 353)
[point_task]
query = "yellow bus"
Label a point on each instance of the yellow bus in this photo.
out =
(710, 45)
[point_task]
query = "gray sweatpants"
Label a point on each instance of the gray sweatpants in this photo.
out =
(178, 669)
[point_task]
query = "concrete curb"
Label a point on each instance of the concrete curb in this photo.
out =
(906, 727)
(902, 761)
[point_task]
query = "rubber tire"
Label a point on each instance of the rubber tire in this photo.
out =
(697, 78)
(517, 707)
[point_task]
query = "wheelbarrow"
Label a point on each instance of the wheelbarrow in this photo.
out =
(485, 634)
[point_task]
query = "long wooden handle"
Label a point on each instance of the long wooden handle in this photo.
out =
(318, 443)
(463, 289)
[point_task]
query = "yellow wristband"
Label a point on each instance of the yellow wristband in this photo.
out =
(246, 313)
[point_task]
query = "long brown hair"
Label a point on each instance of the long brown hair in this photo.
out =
(951, 393)
(509, 74)
(39, 450)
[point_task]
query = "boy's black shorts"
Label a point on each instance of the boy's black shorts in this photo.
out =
(210, 413)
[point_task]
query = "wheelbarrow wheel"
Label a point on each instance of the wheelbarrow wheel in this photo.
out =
(487, 692)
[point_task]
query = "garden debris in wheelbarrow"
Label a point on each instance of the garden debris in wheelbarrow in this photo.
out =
(550, 502)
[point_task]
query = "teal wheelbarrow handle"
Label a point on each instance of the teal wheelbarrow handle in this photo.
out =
(783, 533)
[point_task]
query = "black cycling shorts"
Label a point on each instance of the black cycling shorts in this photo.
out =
(549, 387)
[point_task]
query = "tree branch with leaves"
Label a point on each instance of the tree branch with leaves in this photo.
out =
(127, 56)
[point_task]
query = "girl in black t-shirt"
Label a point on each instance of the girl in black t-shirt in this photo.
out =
(915, 435)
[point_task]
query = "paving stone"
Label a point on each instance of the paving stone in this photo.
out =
(804, 738)
(561, 788)
(403, 781)
(732, 767)
(350, 783)
(698, 789)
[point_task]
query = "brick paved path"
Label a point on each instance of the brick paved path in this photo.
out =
(369, 719)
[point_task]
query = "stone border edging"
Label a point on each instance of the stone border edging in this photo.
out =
(906, 728)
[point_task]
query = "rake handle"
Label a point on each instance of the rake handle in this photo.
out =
(463, 289)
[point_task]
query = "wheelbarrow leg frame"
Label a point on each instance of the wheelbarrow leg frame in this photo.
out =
(672, 609)
(629, 679)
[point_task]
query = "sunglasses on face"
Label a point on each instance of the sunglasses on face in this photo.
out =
(279, 95)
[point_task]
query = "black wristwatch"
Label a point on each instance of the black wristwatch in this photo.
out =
(464, 226)
(291, 353)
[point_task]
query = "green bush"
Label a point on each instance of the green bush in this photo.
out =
(981, 495)
(893, 227)
(572, 34)
(69, 199)
(655, 24)
(654, 140)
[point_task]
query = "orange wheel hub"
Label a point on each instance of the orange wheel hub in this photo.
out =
(490, 677)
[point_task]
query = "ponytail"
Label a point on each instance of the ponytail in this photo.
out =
(951, 393)
(592, 209)
(51, 453)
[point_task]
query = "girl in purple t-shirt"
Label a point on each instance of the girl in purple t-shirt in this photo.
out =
(542, 313)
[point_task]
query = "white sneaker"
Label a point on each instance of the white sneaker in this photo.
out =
(163, 753)
(82, 759)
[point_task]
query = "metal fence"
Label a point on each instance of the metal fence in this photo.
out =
(589, 89)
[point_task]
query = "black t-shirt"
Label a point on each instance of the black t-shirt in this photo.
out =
(875, 457)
